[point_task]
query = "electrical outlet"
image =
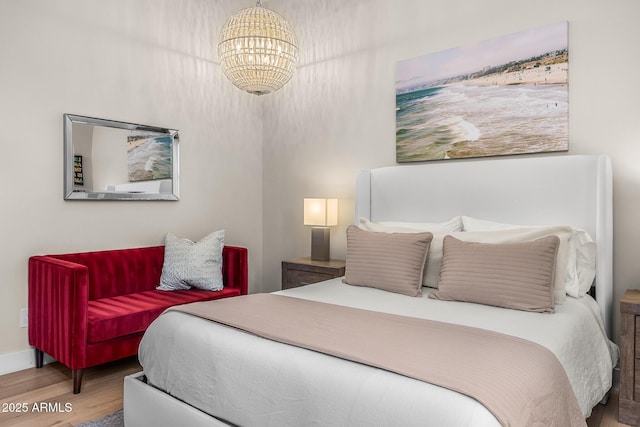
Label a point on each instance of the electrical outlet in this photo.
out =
(24, 317)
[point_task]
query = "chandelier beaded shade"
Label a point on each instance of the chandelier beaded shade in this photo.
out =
(258, 50)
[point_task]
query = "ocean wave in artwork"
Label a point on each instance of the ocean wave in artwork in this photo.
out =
(455, 121)
(150, 158)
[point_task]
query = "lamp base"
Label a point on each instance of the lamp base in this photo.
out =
(320, 243)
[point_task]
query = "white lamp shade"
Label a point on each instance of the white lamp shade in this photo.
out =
(321, 212)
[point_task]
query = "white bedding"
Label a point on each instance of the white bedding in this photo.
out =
(247, 380)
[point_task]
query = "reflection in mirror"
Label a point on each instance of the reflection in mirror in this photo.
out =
(111, 160)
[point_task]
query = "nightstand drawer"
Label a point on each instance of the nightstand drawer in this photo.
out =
(637, 343)
(629, 398)
(636, 388)
(305, 271)
(297, 278)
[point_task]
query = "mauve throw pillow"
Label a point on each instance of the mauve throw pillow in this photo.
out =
(388, 261)
(192, 265)
(511, 275)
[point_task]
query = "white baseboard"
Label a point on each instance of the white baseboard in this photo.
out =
(13, 362)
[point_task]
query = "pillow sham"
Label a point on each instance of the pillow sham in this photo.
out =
(391, 262)
(192, 265)
(581, 256)
(511, 275)
(507, 235)
(434, 256)
(526, 235)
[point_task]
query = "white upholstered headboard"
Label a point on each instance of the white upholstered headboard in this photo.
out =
(554, 190)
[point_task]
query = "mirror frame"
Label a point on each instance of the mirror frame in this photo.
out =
(70, 194)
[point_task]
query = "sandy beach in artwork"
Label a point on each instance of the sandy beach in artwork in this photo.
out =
(549, 74)
(507, 95)
(519, 110)
(149, 157)
(134, 142)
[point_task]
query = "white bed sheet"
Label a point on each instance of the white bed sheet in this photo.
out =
(247, 380)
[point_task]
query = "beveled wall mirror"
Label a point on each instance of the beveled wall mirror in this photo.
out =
(111, 160)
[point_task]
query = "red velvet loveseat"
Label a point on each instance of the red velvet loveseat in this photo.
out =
(90, 308)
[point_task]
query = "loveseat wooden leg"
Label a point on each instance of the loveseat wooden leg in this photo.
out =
(39, 357)
(76, 375)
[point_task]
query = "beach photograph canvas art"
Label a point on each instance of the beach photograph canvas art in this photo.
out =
(507, 95)
(149, 157)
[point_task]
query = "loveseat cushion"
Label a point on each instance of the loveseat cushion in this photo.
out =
(132, 313)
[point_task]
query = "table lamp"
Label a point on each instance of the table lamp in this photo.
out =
(320, 214)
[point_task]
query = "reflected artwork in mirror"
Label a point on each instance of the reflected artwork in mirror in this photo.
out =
(112, 160)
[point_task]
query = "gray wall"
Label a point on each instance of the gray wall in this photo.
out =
(247, 162)
(149, 62)
(338, 115)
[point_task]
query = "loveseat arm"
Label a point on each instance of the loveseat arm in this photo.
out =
(58, 301)
(235, 269)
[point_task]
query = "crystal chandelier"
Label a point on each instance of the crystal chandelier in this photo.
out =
(258, 50)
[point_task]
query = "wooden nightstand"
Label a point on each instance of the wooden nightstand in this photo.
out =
(304, 271)
(630, 358)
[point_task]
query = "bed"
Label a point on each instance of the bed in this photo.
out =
(199, 372)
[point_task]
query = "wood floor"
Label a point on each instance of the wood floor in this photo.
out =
(102, 389)
(101, 395)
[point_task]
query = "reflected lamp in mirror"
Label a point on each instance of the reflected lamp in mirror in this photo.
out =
(112, 160)
(320, 214)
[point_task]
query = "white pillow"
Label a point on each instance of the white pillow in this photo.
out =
(454, 224)
(434, 256)
(192, 265)
(581, 257)
(582, 276)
